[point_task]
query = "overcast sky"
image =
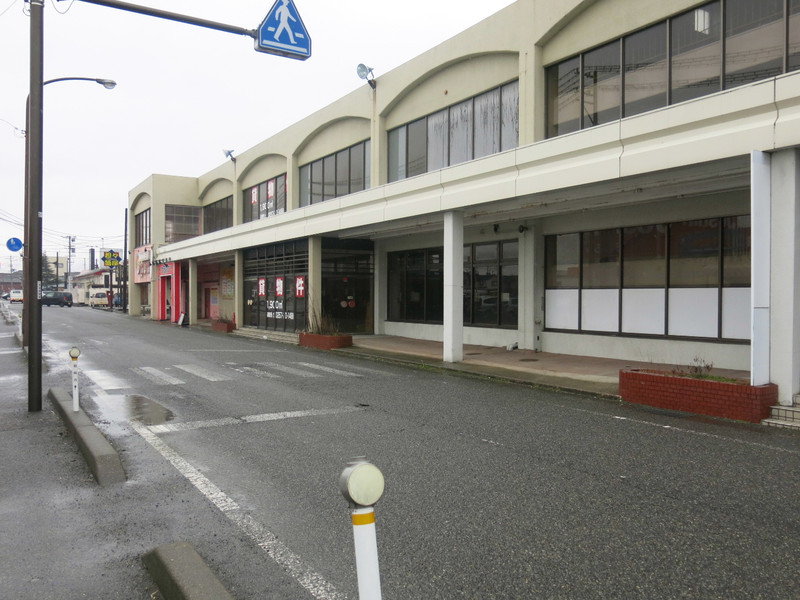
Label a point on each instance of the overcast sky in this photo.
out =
(184, 94)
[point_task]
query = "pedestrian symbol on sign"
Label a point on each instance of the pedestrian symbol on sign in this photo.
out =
(283, 33)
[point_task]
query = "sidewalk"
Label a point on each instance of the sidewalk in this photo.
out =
(579, 373)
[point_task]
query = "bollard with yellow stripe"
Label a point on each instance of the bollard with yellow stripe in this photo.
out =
(362, 485)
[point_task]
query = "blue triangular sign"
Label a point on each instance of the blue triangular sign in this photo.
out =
(282, 32)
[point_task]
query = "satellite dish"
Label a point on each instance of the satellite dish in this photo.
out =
(363, 71)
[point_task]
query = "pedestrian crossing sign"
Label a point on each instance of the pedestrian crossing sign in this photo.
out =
(283, 33)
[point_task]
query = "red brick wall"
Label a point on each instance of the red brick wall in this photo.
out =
(700, 396)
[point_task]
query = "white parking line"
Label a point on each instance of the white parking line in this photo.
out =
(289, 370)
(105, 380)
(293, 414)
(202, 372)
(312, 581)
(330, 370)
(156, 376)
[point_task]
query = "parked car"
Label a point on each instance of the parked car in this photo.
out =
(60, 298)
(5, 296)
(98, 299)
(16, 296)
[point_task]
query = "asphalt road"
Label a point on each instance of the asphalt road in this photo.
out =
(492, 490)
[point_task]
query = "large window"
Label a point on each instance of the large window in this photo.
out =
(142, 228)
(338, 174)
(266, 199)
(490, 271)
(181, 222)
(476, 127)
(687, 279)
(675, 60)
(218, 215)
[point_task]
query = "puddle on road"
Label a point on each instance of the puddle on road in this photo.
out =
(124, 408)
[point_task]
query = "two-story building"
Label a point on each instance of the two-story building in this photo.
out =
(595, 177)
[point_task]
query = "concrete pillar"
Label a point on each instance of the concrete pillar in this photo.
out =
(527, 290)
(784, 284)
(760, 226)
(238, 288)
(193, 292)
(453, 342)
(314, 286)
(380, 289)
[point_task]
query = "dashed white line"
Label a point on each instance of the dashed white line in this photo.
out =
(312, 581)
(203, 372)
(330, 370)
(292, 414)
(289, 370)
(156, 376)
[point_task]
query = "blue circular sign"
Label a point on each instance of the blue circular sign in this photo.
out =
(14, 244)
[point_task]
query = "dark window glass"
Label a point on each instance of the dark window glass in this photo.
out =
(696, 58)
(754, 39)
(357, 168)
(434, 290)
(509, 116)
(367, 164)
(142, 226)
(262, 200)
(397, 154)
(316, 182)
(437, 140)
(181, 222)
(461, 132)
(343, 172)
(218, 215)
(417, 148)
(644, 256)
(794, 35)
(509, 294)
(510, 251)
(415, 286)
(562, 257)
(396, 285)
(329, 177)
(646, 70)
(280, 197)
(601, 85)
(305, 185)
(487, 123)
(694, 253)
(484, 252)
(736, 251)
(485, 298)
(601, 259)
(563, 97)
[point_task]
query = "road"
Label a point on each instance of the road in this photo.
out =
(493, 490)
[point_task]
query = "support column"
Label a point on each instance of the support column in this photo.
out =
(314, 293)
(380, 286)
(453, 342)
(784, 284)
(760, 228)
(238, 288)
(527, 290)
(192, 299)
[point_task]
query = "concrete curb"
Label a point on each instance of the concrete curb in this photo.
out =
(100, 455)
(181, 574)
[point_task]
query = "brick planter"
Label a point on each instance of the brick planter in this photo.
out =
(223, 327)
(738, 401)
(325, 342)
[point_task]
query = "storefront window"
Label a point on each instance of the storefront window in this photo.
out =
(601, 85)
(646, 70)
(694, 253)
(644, 262)
(601, 259)
(562, 255)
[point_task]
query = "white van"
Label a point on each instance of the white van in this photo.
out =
(98, 299)
(16, 296)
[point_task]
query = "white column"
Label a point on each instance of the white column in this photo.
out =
(380, 289)
(238, 288)
(453, 342)
(314, 283)
(760, 199)
(192, 299)
(782, 245)
(525, 303)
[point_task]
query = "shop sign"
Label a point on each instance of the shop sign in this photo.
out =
(279, 287)
(300, 286)
(262, 287)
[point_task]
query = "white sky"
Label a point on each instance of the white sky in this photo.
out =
(184, 93)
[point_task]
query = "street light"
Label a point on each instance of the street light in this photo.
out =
(32, 261)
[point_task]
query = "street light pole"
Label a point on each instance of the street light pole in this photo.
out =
(32, 308)
(33, 137)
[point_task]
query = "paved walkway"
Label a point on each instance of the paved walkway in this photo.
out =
(581, 373)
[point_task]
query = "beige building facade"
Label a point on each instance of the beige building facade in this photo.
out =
(596, 177)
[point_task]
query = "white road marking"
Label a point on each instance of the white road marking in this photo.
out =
(106, 380)
(312, 581)
(156, 376)
(330, 370)
(203, 372)
(289, 370)
(191, 425)
(257, 372)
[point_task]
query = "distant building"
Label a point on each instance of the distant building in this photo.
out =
(610, 178)
(10, 281)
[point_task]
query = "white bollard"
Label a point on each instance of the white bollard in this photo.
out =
(362, 485)
(74, 353)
